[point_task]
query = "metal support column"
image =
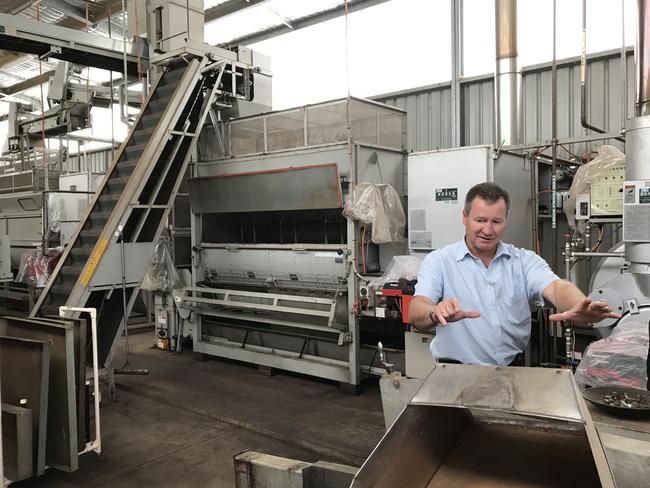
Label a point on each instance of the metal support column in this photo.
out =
(456, 71)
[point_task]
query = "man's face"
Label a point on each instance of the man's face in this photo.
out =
(484, 225)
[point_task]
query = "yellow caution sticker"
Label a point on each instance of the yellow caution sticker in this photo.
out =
(94, 260)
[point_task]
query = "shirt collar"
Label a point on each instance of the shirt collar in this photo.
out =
(463, 251)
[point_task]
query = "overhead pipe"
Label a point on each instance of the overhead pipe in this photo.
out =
(507, 77)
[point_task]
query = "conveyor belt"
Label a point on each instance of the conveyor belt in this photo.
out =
(136, 193)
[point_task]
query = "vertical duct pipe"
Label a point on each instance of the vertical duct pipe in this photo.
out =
(637, 169)
(642, 59)
(507, 78)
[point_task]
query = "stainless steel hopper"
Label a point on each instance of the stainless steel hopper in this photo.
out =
(485, 426)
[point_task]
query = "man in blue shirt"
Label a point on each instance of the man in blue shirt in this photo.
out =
(485, 286)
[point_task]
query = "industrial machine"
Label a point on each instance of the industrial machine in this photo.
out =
(278, 270)
(439, 180)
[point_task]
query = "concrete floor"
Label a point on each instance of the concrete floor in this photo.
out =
(181, 425)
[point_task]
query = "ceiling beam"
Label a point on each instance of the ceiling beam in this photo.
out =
(27, 84)
(28, 36)
(12, 59)
(302, 22)
(228, 7)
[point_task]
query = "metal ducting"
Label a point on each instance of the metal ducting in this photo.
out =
(642, 60)
(636, 231)
(507, 77)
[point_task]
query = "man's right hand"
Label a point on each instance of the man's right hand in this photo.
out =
(449, 310)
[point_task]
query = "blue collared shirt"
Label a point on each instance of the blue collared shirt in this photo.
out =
(501, 293)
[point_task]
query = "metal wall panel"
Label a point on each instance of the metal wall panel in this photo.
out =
(478, 112)
(429, 108)
(429, 120)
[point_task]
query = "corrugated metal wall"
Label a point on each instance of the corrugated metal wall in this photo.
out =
(429, 108)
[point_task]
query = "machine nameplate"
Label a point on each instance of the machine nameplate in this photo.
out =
(446, 194)
(93, 262)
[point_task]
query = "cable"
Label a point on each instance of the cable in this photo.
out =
(40, 72)
(358, 275)
(137, 55)
(363, 254)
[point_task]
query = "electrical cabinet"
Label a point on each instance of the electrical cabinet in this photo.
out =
(438, 182)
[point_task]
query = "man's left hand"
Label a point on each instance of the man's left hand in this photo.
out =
(586, 311)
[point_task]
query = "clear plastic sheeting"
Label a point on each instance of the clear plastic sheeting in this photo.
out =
(379, 206)
(161, 274)
(405, 267)
(35, 267)
(54, 204)
(608, 157)
(618, 360)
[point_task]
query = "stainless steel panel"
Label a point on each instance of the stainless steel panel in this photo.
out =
(32, 360)
(534, 391)
(136, 255)
(17, 442)
(337, 153)
(81, 359)
(292, 266)
(512, 173)
(417, 439)
(308, 187)
(376, 165)
(419, 360)
(435, 171)
(61, 445)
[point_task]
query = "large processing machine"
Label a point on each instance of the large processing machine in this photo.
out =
(278, 270)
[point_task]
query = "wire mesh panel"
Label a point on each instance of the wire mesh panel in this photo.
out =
(247, 136)
(285, 130)
(326, 124)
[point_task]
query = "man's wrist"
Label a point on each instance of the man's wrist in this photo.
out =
(432, 316)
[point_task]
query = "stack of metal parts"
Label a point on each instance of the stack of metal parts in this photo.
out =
(44, 417)
(485, 426)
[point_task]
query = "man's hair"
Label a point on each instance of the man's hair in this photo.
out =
(489, 192)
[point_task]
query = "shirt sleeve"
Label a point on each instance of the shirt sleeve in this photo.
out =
(538, 276)
(430, 278)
